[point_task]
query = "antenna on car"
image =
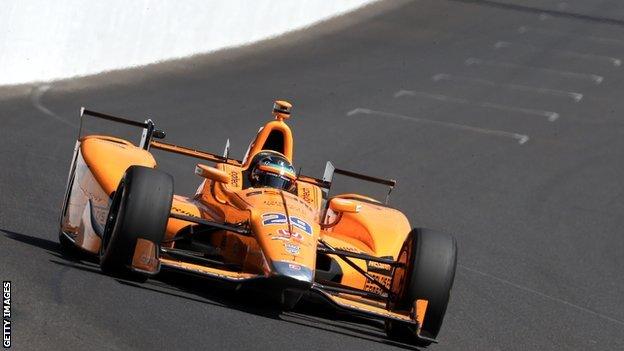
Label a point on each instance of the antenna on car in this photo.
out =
(299, 172)
(226, 151)
(82, 109)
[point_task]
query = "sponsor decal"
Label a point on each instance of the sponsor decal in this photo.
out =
(273, 203)
(286, 235)
(280, 236)
(280, 219)
(295, 267)
(234, 179)
(181, 211)
(383, 279)
(295, 236)
(379, 267)
(6, 314)
(148, 260)
(381, 272)
(292, 248)
(306, 195)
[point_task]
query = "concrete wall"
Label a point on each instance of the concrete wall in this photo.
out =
(43, 40)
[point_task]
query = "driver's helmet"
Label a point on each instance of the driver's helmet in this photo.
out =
(272, 169)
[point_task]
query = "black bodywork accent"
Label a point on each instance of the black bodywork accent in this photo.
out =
(275, 141)
(327, 268)
(235, 228)
(97, 228)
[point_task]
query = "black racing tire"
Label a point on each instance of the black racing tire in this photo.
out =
(140, 209)
(431, 259)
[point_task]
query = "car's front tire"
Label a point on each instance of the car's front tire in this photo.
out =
(140, 209)
(430, 259)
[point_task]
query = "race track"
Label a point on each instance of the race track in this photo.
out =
(501, 120)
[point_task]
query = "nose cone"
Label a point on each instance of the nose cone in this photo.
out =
(293, 274)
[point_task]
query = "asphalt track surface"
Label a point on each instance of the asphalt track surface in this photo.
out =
(441, 95)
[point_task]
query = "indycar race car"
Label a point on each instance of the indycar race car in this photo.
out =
(256, 222)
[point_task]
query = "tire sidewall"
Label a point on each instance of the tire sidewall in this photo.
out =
(430, 275)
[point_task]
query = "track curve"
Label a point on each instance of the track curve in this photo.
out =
(430, 92)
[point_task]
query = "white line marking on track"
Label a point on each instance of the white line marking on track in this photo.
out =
(550, 115)
(526, 29)
(548, 297)
(554, 92)
(520, 138)
(596, 79)
(613, 60)
(35, 98)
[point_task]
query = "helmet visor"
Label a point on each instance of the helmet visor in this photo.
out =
(273, 180)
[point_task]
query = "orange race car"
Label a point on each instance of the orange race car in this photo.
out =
(257, 221)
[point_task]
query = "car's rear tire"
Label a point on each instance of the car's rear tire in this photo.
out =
(140, 209)
(430, 259)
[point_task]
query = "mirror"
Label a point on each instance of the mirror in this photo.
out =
(212, 173)
(158, 134)
(344, 205)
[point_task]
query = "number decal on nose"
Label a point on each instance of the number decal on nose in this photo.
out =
(273, 219)
(280, 218)
(301, 224)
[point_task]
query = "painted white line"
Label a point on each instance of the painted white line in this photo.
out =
(613, 60)
(35, 99)
(604, 40)
(596, 79)
(520, 138)
(541, 294)
(550, 115)
(554, 92)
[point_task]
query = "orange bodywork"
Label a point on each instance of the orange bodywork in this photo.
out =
(286, 226)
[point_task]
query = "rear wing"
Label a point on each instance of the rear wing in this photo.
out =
(150, 133)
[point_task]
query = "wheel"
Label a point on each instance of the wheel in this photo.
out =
(140, 209)
(430, 258)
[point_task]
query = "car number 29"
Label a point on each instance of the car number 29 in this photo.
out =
(280, 218)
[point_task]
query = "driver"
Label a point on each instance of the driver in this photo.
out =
(271, 169)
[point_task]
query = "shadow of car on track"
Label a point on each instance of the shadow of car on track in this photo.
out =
(309, 312)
